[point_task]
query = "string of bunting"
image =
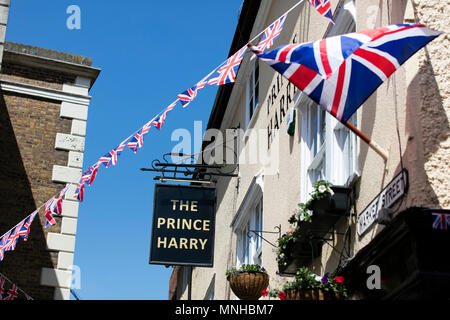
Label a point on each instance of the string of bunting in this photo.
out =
(327, 70)
(225, 73)
(13, 292)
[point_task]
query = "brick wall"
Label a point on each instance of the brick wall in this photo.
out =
(29, 125)
(36, 76)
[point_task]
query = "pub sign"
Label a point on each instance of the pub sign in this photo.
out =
(183, 225)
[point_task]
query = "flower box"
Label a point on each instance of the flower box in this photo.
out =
(336, 204)
(248, 285)
(326, 212)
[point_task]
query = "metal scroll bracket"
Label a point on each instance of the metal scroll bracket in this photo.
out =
(257, 233)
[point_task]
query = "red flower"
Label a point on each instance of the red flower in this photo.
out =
(282, 295)
(339, 279)
(265, 292)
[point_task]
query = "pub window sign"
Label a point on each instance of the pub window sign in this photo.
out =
(183, 225)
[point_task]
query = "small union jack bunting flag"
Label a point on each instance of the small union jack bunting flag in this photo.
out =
(323, 7)
(441, 220)
(270, 34)
(330, 70)
(25, 230)
(4, 242)
(79, 192)
(13, 237)
(94, 170)
(48, 214)
(137, 141)
(112, 156)
(12, 293)
(159, 121)
(2, 286)
(187, 96)
(115, 153)
(227, 71)
(105, 160)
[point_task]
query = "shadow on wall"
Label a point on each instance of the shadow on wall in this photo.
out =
(426, 126)
(23, 265)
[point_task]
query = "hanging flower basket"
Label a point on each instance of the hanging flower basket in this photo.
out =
(248, 286)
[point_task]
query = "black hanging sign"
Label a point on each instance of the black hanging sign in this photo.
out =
(183, 225)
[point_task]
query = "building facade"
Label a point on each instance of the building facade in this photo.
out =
(43, 113)
(408, 116)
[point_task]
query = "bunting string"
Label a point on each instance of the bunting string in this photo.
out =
(13, 292)
(224, 73)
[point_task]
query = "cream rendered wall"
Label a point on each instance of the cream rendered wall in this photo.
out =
(420, 89)
(282, 181)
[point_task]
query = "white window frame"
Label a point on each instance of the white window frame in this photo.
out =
(252, 94)
(338, 153)
(250, 217)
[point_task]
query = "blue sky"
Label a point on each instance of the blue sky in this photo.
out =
(148, 51)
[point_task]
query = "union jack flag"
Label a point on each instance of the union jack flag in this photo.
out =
(94, 170)
(115, 153)
(106, 159)
(190, 94)
(137, 141)
(441, 220)
(330, 70)
(12, 293)
(25, 230)
(13, 237)
(159, 121)
(56, 206)
(79, 192)
(227, 71)
(323, 7)
(49, 220)
(4, 242)
(90, 174)
(2, 286)
(270, 34)
(187, 96)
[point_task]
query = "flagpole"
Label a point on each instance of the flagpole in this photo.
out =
(375, 146)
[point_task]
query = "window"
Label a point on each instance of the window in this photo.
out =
(328, 147)
(252, 93)
(249, 249)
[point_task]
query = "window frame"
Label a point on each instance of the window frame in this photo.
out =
(339, 145)
(252, 94)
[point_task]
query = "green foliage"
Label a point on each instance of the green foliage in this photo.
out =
(321, 190)
(250, 268)
(304, 280)
(303, 213)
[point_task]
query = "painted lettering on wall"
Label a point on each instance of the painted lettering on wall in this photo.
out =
(279, 100)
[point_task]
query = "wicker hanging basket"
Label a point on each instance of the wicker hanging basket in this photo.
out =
(247, 285)
(312, 294)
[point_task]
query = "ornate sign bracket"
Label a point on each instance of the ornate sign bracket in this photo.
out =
(199, 173)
